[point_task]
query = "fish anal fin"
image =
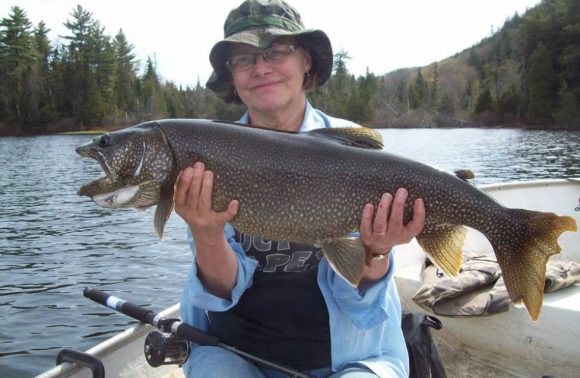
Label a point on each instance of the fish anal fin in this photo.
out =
(164, 208)
(443, 244)
(361, 137)
(524, 256)
(346, 256)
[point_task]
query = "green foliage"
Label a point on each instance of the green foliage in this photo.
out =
(17, 58)
(542, 89)
(484, 102)
(418, 91)
(511, 77)
(567, 114)
(527, 72)
(348, 97)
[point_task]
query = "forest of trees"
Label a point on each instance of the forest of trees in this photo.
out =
(526, 74)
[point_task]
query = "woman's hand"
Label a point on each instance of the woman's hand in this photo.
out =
(386, 229)
(216, 263)
(193, 198)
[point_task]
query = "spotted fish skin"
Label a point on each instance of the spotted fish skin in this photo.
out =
(311, 188)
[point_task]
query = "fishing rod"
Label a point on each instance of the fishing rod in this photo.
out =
(170, 346)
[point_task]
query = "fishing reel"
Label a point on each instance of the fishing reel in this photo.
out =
(165, 349)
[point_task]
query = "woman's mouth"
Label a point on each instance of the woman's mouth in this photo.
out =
(265, 85)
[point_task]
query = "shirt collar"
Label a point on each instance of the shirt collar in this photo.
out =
(312, 119)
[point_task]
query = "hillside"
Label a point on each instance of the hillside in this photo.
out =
(526, 73)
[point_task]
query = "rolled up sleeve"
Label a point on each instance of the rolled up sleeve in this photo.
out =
(197, 295)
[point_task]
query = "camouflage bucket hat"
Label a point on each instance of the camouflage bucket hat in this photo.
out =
(259, 23)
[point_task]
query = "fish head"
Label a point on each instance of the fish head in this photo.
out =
(137, 162)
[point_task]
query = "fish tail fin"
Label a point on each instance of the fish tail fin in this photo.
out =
(523, 252)
(443, 244)
(346, 256)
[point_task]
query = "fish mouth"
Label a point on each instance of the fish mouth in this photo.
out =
(113, 190)
(109, 194)
(90, 152)
(113, 194)
(109, 190)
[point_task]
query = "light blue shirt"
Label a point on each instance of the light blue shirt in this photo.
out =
(365, 326)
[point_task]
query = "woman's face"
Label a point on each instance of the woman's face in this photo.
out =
(268, 87)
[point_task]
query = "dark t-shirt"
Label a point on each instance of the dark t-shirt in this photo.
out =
(282, 317)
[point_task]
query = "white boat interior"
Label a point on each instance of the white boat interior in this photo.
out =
(510, 342)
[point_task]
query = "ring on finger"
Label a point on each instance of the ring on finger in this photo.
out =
(380, 233)
(380, 257)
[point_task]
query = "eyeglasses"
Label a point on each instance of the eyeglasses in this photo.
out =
(275, 54)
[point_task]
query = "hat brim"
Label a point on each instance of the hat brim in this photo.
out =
(316, 41)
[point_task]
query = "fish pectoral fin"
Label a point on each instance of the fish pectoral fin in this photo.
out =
(164, 207)
(443, 244)
(346, 256)
(361, 137)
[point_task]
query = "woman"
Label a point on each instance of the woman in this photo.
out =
(279, 300)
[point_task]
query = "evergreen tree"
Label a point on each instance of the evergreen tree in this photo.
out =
(567, 115)
(81, 87)
(339, 87)
(434, 98)
(17, 58)
(508, 103)
(124, 84)
(418, 91)
(484, 102)
(152, 102)
(105, 69)
(542, 90)
(46, 103)
(446, 105)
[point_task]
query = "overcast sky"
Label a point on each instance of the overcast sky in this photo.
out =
(381, 35)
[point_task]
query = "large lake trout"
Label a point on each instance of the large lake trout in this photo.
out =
(311, 188)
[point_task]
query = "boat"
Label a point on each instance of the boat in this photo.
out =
(507, 344)
(510, 343)
(122, 356)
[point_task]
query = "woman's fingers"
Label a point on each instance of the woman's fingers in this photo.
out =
(195, 186)
(366, 225)
(415, 225)
(182, 186)
(398, 211)
(386, 228)
(380, 222)
(205, 193)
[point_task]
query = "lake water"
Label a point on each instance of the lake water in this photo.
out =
(53, 243)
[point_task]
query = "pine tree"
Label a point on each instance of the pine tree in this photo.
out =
(434, 100)
(81, 87)
(567, 115)
(124, 89)
(338, 86)
(484, 102)
(418, 91)
(46, 109)
(153, 105)
(104, 61)
(17, 58)
(541, 87)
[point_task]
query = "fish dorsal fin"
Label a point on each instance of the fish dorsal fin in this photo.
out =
(464, 174)
(361, 137)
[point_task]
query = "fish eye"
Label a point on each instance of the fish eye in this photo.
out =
(105, 140)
